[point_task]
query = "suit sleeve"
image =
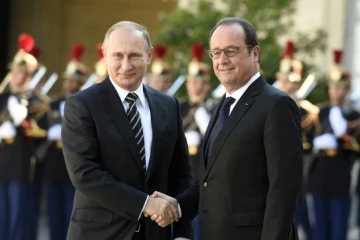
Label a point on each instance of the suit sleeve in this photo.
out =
(82, 157)
(180, 176)
(283, 146)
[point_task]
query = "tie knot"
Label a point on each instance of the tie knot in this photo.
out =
(131, 98)
(228, 101)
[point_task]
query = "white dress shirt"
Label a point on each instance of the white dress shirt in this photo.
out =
(239, 92)
(142, 106)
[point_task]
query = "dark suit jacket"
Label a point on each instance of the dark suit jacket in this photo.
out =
(104, 165)
(250, 185)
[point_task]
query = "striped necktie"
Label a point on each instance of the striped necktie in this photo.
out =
(135, 122)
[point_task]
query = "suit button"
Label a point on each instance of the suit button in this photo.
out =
(205, 184)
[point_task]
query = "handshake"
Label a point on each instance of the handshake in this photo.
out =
(162, 209)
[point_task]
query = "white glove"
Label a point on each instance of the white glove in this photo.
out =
(193, 138)
(7, 130)
(337, 121)
(325, 141)
(17, 111)
(202, 119)
(62, 107)
(54, 133)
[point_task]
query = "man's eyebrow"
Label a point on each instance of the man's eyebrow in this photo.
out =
(224, 47)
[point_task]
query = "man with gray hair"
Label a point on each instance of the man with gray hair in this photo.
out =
(251, 169)
(122, 141)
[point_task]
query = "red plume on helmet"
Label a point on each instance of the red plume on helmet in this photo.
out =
(337, 56)
(339, 76)
(99, 51)
(77, 52)
(26, 42)
(197, 51)
(289, 50)
(160, 51)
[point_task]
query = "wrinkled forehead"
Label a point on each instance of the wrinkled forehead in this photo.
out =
(228, 35)
(126, 39)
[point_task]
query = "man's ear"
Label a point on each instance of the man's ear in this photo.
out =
(256, 52)
(103, 51)
(150, 54)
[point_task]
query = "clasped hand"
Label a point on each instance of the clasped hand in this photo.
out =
(162, 209)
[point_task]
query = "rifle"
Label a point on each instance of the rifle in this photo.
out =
(176, 85)
(37, 77)
(90, 81)
(5, 83)
(308, 85)
(49, 83)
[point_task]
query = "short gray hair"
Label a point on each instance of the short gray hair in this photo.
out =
(131, 26)
(250, 32)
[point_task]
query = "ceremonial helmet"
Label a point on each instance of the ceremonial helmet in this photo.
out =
(339, 76)
(160, 68)
(76, 70)
(23, 59)
(197, 69)
(289, 67)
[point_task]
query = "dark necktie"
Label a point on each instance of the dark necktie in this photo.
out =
(135, 122)
(219, 124)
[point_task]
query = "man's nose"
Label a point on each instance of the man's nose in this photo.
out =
(223, 58)
(126, 64)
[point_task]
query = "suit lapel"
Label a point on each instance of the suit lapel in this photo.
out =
(113, 105)
(209, 129)
(242, 106)
(157, 114)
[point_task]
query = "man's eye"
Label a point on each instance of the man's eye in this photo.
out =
(230, 51)
(216, 53)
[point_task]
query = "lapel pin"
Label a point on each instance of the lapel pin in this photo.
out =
(246, 104)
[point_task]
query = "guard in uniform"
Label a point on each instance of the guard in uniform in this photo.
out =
(194, 111)
(329, 179)
(160, 77)
(289, 81)
(59, 189)
(23, 131)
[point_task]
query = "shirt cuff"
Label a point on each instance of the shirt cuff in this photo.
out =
(179, 209)
(142, 210)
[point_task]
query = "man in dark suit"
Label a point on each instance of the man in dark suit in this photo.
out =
(251, 171)
(122, 141)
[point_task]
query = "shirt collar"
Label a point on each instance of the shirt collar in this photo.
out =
(123, 93)
(238, 93)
